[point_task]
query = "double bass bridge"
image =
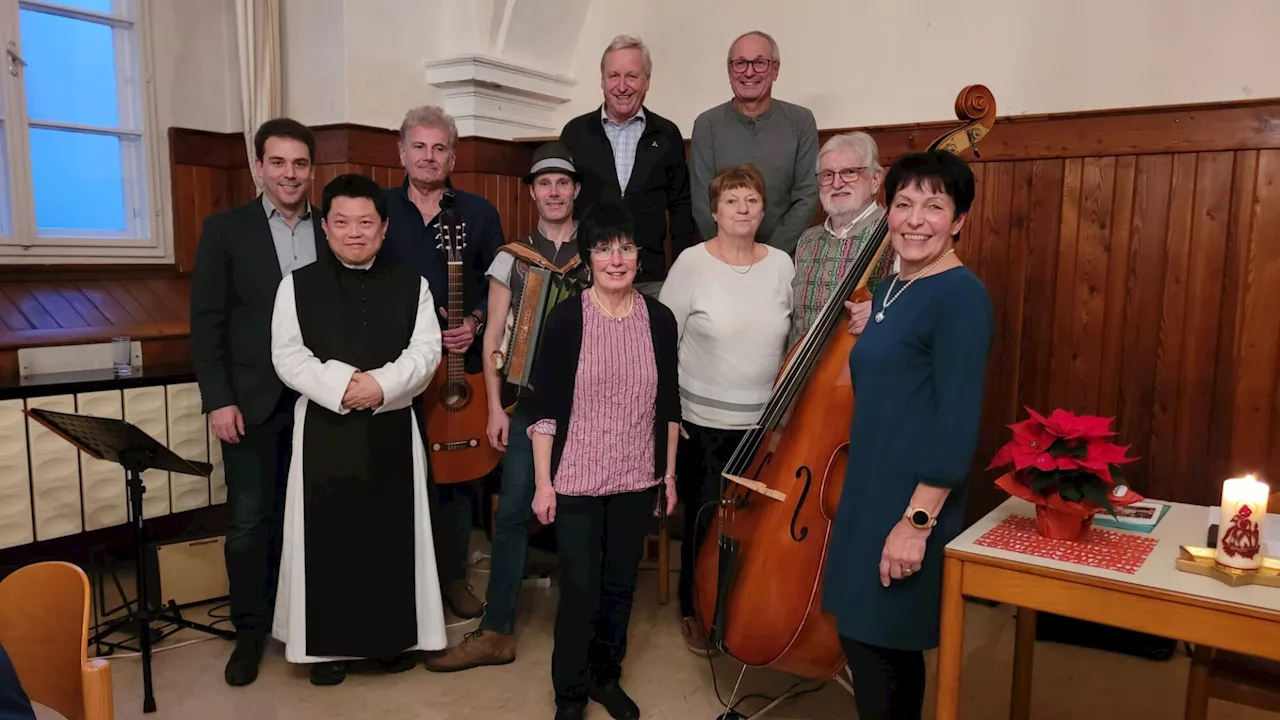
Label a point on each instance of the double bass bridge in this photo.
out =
(757, 486)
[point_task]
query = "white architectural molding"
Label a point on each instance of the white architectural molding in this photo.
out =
(490, 97)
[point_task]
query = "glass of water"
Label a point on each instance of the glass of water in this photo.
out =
(121, 356)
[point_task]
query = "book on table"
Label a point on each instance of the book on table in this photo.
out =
(1141, 516)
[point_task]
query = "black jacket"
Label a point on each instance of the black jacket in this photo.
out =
(659, 184)
(555, 373)
(233, 294)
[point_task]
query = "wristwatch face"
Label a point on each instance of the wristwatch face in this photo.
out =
(920, 518)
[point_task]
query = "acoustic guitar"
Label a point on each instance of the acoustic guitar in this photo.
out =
(455, 401)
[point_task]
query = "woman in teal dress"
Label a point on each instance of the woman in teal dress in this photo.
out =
(918, 372)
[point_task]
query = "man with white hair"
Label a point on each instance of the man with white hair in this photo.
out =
(779, 138)
(415, 210)
(848, 178)
(631, 156)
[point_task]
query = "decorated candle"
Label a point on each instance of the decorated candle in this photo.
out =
(1244, 507)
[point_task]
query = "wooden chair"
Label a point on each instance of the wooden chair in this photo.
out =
(44, 626)
(1231, 676)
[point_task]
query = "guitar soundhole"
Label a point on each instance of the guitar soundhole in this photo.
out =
(455, 395)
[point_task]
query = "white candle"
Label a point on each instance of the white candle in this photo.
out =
(1244, 506)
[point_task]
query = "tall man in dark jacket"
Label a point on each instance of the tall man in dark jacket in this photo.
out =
(242, 256)
(629, 155)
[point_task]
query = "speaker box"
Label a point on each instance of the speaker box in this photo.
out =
(190, 571)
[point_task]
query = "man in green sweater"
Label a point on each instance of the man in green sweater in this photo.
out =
(779, 138)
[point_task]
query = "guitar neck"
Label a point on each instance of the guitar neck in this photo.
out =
(456, 315)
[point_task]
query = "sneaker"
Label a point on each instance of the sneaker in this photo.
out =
(329, 673)
(695, 638)
(615, 701)
(462, 601)
(242, 668)
(482, 647)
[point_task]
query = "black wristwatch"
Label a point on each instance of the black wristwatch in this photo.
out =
(479, 323)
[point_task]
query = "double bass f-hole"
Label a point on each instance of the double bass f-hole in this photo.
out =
(808, 479)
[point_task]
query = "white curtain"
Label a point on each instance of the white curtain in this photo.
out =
(258, 40)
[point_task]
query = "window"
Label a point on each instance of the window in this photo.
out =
(77, 171)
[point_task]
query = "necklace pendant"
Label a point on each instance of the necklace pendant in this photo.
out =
(880, 316)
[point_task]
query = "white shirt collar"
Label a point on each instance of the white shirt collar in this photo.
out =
(364, 266)
(844, 232)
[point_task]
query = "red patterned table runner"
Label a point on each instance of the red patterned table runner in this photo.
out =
(1106, 549)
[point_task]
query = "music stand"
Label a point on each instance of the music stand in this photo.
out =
(120, 442)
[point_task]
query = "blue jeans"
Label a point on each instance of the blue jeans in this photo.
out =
(510, 529)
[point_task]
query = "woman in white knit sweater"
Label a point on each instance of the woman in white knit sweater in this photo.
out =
(732, 300)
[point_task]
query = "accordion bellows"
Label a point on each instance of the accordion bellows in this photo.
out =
(544, 287)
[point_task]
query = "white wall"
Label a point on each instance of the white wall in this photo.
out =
(875, 62)
(357, 61)
(195, 65)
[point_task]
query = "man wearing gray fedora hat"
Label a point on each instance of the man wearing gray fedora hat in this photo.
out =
(554, 184)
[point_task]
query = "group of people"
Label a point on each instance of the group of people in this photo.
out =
(314, 337)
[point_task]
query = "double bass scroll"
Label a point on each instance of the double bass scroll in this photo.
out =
(783, 482)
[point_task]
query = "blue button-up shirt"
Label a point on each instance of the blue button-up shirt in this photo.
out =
(624, 138)
(415, 240)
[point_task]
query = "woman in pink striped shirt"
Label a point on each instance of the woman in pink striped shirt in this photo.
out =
(607, 403)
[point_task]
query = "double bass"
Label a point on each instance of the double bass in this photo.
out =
(457, 413)
(758, 586)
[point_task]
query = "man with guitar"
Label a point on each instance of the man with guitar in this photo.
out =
(421, 212)
(554, 184)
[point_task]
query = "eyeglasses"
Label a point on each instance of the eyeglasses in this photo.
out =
(628, 251)
(759, 65)
(849, 175)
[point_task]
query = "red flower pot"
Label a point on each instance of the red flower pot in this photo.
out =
(1058, 525)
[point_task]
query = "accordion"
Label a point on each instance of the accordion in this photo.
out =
(544, 287)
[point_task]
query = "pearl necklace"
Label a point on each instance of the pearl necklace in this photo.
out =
(891, 296)
(631, 302)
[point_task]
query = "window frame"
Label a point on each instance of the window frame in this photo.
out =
(145, 235)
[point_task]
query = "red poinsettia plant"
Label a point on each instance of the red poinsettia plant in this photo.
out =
(1065, 462)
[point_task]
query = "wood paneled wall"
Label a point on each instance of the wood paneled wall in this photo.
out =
(211, 173)
(1133, 261)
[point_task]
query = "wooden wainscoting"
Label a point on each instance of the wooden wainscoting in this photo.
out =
(64, 304)
(1133, 261)
(68, 305)
(1132, 256)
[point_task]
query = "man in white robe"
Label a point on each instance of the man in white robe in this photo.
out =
(358, 339)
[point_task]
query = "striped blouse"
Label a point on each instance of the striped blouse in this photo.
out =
(609, 448)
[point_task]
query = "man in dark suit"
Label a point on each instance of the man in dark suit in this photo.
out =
(428, 148)
(243, 254)
(631, 156)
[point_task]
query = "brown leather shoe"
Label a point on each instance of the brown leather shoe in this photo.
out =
(694, 638)
(462, 601)
(477, 648)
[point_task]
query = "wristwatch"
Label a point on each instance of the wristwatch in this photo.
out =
(479, 323)
(920, 518)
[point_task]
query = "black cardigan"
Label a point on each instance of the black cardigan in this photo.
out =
(555, 371)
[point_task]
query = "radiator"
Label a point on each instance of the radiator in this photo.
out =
(50, 489)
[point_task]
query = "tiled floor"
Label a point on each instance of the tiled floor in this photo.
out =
(667, 681)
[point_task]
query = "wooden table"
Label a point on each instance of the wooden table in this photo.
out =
(1158, 599)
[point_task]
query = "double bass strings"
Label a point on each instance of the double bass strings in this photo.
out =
(810, 349)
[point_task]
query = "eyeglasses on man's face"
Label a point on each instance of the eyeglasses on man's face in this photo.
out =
(848, 175)
(759, 64)
(604, 252)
